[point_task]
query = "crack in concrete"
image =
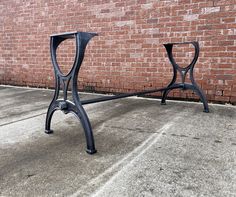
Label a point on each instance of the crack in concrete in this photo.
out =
(8, 123)
(125, 162)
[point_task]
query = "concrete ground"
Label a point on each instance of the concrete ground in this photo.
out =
(144, 148)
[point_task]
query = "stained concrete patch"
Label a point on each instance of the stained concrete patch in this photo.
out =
(194, 158)
(59, 163)
(144, 149)
(19, 104)
(34, 163)
(23, 103)
(7, 91)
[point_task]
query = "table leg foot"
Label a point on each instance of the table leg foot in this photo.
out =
(91, 151)
(206, 110)
(48, 131)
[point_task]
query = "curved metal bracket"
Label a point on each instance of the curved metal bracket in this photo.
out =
(74, 106)
(183, 72)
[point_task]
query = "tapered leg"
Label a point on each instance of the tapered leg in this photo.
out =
(87, 130)
(166, 92)
(202, 97)
(164, 96)
(51, 110)
(80, 113)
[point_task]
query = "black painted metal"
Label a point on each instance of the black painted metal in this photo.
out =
(183, 72)
(124, 95)
(82, 39)
(75, 106)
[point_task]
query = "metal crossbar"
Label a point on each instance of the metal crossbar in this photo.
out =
(76, 105)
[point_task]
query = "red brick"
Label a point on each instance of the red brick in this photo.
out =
(128, 53)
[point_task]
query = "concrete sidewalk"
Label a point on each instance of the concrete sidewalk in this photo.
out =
(144, 148)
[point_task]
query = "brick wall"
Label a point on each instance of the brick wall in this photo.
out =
(128, 55)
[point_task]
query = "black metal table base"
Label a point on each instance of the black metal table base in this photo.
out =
(183, 72)
(76, 105)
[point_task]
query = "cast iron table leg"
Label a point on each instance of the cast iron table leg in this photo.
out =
(183, 72)
(74, 106)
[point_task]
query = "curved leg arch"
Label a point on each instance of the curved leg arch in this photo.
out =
(51, 109)
(183, 71)
(80, 113)
(82, 39)
(87, 130)
(200, 93)
(164, 96)
(167, 91)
